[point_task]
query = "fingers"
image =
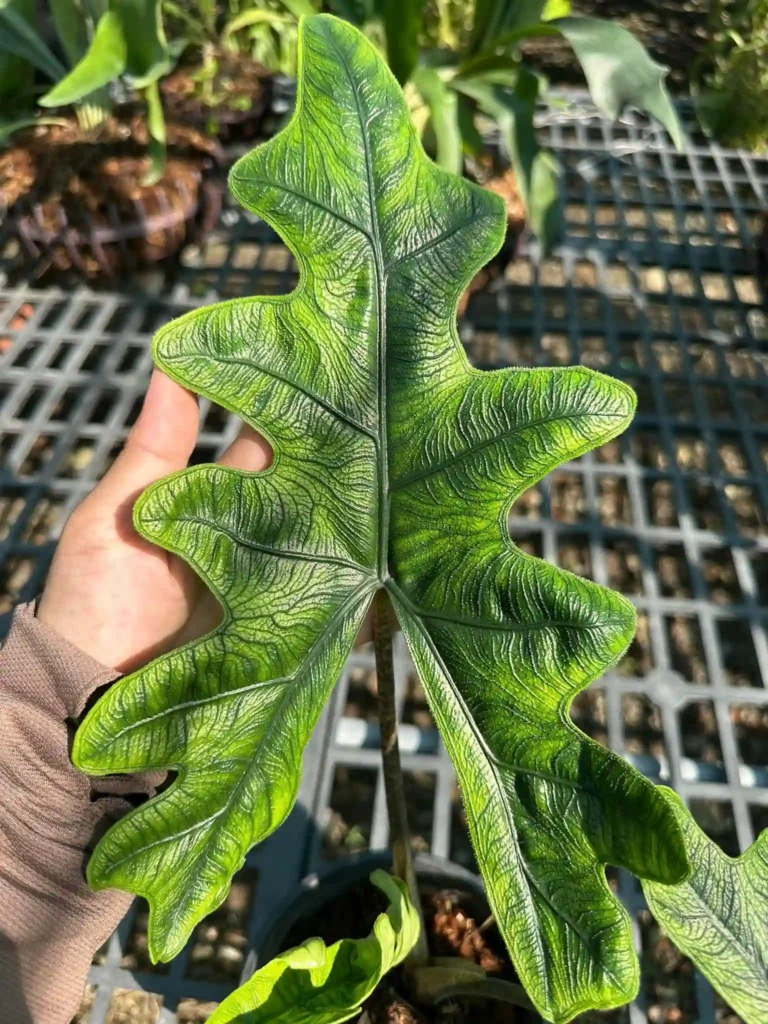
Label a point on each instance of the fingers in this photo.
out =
(249, 451)
(161, 441)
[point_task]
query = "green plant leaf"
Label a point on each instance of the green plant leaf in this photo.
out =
(9, 128)
(443, 103)
(719, 916)
(19, 38)
(157, 140)
(104, 61)
(16, 72)
(255, 16)
(301, 8)
(536, 169)
(502, 22)
(395, 466)
(72, 24)
(319, 984)
(148, 56)
(619, 71)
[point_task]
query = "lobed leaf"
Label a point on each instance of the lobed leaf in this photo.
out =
(395, 466)
(719, 916)
(319, 984)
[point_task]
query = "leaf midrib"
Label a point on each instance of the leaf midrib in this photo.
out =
(382, 511)
(723, 926)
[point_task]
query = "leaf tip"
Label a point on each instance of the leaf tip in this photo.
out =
(624, 988)
(627, 400)
(677, 866)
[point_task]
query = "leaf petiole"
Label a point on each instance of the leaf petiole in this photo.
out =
(399, 837)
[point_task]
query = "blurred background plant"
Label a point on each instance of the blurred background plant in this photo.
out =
(209, 66)
(462, 67)
(732, 77)
(100, 45)
(228, 53)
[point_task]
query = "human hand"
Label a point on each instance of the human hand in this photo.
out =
(122, 601)
(111, 593)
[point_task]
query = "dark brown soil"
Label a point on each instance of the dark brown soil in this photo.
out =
(78, 199)
(453, 918)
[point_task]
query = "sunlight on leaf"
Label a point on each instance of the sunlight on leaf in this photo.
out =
(395, 466)
(104, 61)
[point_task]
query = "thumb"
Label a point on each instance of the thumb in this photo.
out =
(161, 442)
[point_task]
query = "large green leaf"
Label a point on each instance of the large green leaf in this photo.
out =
(395, 466)
(104, 61)
(719, 917)
(619, 71)
(318, 984)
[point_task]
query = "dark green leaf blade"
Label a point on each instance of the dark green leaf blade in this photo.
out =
(403, 21)
(71, 28)
(619, 71)
(395, 464)
(719, 916)
(148, 56)
(317, 984)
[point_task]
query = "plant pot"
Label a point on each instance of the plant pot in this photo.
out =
(322, 905)
(78, 202)
(241, 94)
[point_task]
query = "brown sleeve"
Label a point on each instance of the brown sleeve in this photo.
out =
(51, 924)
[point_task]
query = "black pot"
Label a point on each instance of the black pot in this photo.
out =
(314, 894)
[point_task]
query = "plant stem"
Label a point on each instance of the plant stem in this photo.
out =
(92, 113)
(399, 834)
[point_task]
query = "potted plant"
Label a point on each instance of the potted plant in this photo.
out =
(395, 465)
(218, 86)
(90, 189)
